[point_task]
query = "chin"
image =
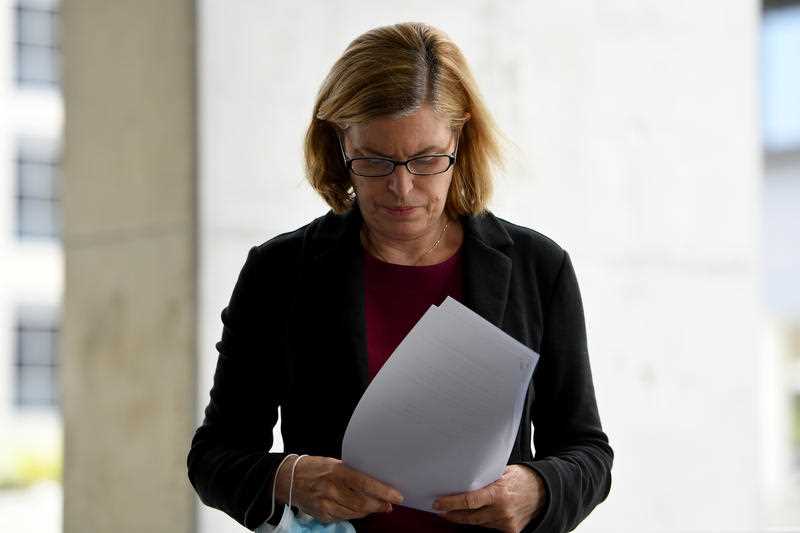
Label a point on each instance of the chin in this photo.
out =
(402, 228)
(399, 225)
(407, 229)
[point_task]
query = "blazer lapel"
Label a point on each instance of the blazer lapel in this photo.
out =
(339, 261)
(353, 315)
(487, 269)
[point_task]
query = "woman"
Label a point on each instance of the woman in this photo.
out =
(401, 147)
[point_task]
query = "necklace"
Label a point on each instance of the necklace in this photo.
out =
(426, 252)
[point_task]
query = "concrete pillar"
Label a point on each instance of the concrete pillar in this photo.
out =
(130, 248)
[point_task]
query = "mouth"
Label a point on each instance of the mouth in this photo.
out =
(400, 210)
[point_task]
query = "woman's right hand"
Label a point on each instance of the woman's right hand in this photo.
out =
(330, 491)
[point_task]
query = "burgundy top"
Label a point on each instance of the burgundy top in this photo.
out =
(396, 297)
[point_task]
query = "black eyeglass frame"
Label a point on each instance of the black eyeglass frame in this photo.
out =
(348, 161)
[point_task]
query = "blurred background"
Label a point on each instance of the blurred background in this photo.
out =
(146, 145)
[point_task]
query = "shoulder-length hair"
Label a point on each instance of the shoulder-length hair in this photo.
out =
(392, 71)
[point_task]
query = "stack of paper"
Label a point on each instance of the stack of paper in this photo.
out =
(442, 414)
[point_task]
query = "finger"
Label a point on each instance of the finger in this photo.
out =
(363, 504)
(332, 511)
(369, 485)
(481, 517)
(347, 512)
(466, 500)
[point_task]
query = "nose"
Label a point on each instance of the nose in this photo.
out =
(400, 182)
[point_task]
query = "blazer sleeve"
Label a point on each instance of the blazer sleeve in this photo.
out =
(229, 462)
(573, 455)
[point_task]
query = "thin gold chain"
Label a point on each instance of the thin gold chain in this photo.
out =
(429, 250)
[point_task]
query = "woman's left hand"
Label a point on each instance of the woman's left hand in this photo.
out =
(508, 504)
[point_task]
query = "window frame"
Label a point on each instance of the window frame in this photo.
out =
(52, 46)
(46, 153)
(36, 319)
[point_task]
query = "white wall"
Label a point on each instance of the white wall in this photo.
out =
(635, 147)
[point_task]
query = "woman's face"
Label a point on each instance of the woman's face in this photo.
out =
(402, 206)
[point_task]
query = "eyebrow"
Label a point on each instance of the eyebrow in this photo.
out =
(371, 151)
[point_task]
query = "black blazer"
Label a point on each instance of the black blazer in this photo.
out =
(293, 336)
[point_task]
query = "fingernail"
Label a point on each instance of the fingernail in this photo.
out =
(388, 507)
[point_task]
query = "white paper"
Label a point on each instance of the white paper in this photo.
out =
(442, 414)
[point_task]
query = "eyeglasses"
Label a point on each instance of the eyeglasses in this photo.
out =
(379, 167)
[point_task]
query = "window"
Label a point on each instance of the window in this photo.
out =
(780, 60)
(38, 190)
(36, 365)
(37, 46)
(780, 112)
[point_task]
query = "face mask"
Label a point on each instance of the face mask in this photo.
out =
(304, 523)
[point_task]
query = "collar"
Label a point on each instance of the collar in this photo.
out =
(335, 231)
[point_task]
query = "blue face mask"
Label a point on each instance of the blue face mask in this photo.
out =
(304, 524)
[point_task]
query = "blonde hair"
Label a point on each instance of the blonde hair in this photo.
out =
(392, 71)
